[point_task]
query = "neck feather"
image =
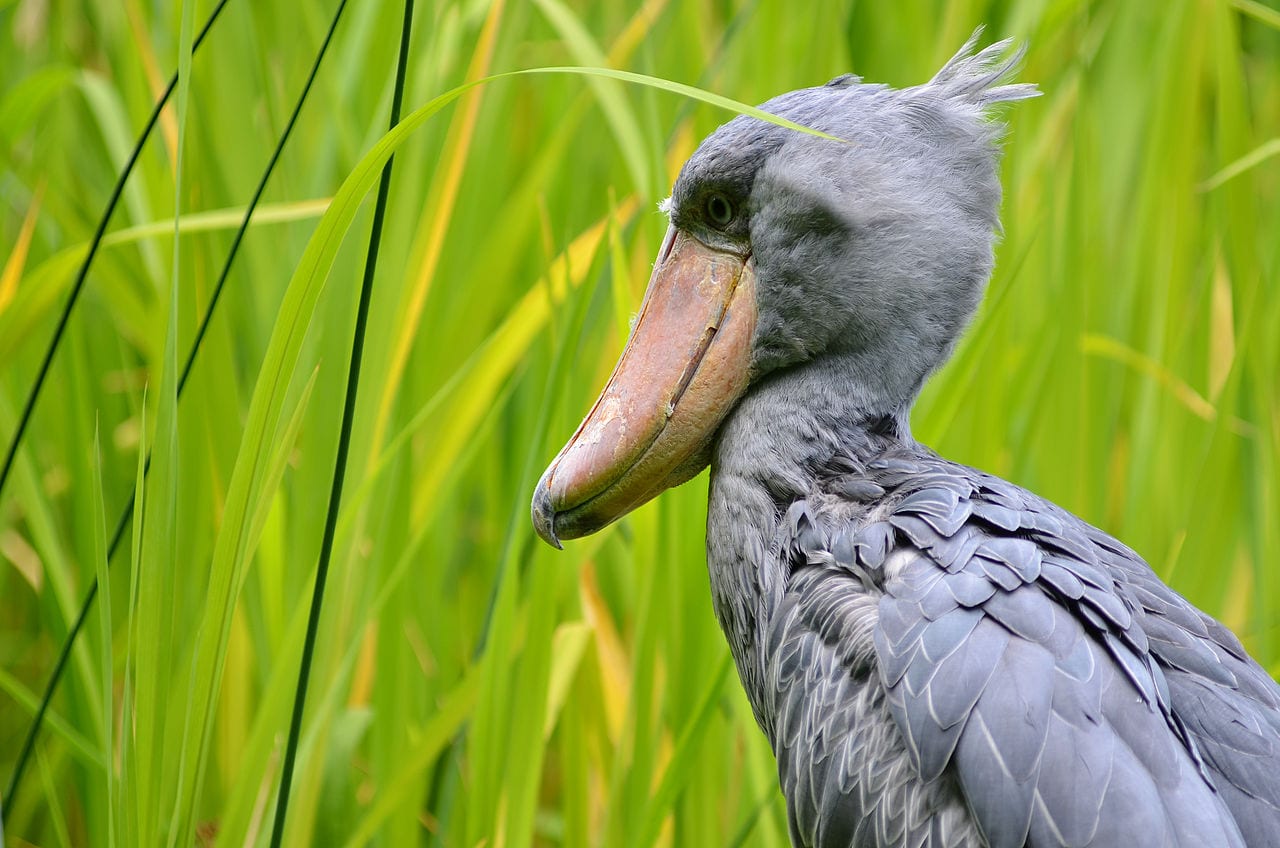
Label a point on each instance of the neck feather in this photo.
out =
(768, 454)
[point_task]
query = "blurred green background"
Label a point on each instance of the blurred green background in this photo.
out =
(472, 686)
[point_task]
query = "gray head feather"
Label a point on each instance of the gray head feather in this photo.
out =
(875, 251)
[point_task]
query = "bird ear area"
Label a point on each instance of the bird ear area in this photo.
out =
(800, 209)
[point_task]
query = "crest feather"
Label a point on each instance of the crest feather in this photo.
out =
(974, 77)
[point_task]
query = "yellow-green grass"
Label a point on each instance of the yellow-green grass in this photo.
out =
(472, 686)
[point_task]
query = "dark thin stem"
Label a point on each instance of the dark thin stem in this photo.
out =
(257, 195)
(126, 514)
(344, 445)
(94, 243)
(34, 395)
(28, 744)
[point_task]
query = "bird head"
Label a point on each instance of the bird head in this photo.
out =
(871, 243)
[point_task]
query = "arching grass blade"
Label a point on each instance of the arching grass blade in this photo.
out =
(344, 445)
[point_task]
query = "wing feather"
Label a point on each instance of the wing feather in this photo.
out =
(1025, 671)
(963, 663)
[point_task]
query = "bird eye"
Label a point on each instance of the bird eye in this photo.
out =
(719, 210)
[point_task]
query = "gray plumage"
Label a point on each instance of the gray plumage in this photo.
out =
(938, 657)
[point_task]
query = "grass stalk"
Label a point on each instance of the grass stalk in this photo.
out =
(60, 330)
(15, 779)
(122, 522)
(344, 446)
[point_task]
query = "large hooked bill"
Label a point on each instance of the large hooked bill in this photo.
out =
(684, 367)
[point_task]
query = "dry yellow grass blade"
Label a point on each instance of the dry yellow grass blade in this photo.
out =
(442, 195)
(611, 654)
(1179, 389)
(18, 256)
(434, 221)
(1222, 335)
(509, 343)
(567, 647)
(155, 82)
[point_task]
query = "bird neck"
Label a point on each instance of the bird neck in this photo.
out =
(793, 420)
(782, 435)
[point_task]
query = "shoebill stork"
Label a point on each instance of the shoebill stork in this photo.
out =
(937, 656)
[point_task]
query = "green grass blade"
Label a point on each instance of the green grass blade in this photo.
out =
(1252, 159)
(1259, 11)
(196, 223)
(34, 394)
(101, 561)
(440, 729)
(158, 598)
(622, 120)
(687, 748)
(80, 744)
(344, 442)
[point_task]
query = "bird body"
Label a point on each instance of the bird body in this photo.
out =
(942, 658)
(938, 657)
